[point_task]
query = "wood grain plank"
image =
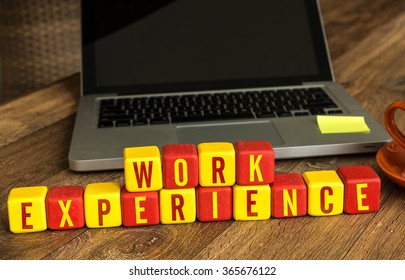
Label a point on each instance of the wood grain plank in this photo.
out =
(349, 23)
(30, 161)
(154, 242)
(30, 113)
(37, 156)
(295, 238)
(384, 236)
(40, 158)
(373, 69)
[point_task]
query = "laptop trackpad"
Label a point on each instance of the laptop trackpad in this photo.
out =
(229, 132)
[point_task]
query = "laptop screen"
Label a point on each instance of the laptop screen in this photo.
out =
(142, 46)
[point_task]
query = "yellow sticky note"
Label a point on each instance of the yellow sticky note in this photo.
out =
(342, 124)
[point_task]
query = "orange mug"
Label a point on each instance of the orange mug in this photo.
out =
(391, 125)
(391, 157)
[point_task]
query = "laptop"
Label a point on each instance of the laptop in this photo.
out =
(194, 71)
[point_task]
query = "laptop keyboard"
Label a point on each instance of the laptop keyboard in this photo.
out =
(119, 112)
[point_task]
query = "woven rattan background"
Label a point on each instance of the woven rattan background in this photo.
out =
(39, 43)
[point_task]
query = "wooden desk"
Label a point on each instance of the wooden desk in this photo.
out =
(367, 43)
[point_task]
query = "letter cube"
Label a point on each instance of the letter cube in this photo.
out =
(254, 162)
(65, 207)
(325, 192)
(251, 202)
(142, 169)
(102, 205)
(362, 189)
(26, 209)
(216, 164)
(177, 206)
(180, 166)
(214, 204)
(139, 208)
(289, 196)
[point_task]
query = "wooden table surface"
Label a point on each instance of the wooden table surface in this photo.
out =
(367, 44)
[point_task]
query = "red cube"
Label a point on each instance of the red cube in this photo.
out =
(65, 207)
(214, 203)
(139, 208)
(254, 163)
(289, 196)
(180, 166)
(362, 188)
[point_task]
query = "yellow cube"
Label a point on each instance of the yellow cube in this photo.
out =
(102, 205)
(325, 193)
(26, 209)
(177, 206)
(143, 169)
(216, 164)
(251, 202)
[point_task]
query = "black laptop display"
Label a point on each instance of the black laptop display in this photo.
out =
(160, 46)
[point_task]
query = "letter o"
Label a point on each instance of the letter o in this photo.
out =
(180, 172)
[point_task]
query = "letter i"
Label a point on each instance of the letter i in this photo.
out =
(215, 205)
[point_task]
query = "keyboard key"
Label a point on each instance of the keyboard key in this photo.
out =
(298, 114)
(332, 112)
(317, 111)
(121, 123)
(162, 120)
(283, 114)
(140, 122)
(267, 114)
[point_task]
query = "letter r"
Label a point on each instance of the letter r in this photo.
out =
(218, 166)
(177, 206)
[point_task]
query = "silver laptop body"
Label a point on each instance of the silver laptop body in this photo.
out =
(177, 49)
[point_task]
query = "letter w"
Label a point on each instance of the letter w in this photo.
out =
(143, 175)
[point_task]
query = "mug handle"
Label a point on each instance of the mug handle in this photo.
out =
(390, 124)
